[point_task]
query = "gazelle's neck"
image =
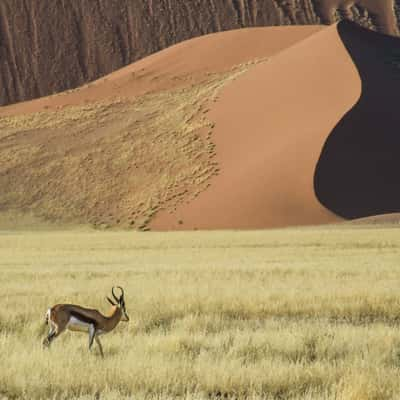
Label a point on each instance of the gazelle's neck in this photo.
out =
(113, 318)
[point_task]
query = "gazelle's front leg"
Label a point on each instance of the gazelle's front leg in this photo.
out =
(92, 334)
(99, 344)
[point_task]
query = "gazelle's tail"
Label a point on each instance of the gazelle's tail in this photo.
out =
(47, 316)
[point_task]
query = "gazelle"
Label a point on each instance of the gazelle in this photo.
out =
(76, 318)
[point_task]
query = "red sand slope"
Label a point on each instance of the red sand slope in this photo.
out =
(186, 62)
(271, 125)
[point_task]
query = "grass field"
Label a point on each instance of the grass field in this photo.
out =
(284, 314)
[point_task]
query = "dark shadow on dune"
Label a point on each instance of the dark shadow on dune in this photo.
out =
(358, 173)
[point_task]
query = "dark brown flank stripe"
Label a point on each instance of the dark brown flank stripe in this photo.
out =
(83, 318)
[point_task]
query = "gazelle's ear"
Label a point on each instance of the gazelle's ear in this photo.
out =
(110, 301)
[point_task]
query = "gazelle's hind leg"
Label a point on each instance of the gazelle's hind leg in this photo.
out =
(53, 333)
(47, 340)
(99, 344)
(57, 326)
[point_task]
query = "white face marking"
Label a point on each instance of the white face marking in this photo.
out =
(77, 324)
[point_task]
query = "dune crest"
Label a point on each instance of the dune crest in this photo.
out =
(186, 63)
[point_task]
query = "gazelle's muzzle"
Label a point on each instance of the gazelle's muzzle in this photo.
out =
(125, 317)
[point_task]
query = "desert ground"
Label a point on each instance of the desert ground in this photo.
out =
(300, 313)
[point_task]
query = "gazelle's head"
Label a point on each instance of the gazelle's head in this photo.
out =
(119, 302)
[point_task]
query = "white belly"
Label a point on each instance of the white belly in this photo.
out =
(74, 324)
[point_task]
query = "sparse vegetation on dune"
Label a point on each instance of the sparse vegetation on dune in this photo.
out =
(113, 163)
(288, 314)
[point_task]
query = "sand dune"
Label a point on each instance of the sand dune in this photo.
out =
(113, 153)
(270, 127)
(247, 129)
(335, 93)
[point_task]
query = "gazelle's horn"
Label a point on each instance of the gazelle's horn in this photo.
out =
(115, 297)
(110, 301)
(122, 292)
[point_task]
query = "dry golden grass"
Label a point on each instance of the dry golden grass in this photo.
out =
(284, 314)
(110, 164)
